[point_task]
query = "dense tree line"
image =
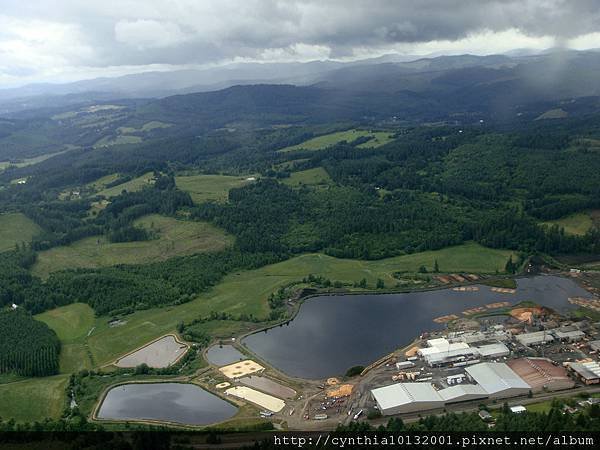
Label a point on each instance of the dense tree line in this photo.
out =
(355, 222)
(15, 279)
(27, 347)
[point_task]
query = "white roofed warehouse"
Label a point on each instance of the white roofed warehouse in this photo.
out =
(406, 397)
(498, 380)
(535, 338)
(462, 393)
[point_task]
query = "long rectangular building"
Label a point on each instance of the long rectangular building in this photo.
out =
(495, 350)
(462, 393)
(497, 380)
(541, 374)
(406, 397)
(535, 338)
(493, 380)
(588, 372)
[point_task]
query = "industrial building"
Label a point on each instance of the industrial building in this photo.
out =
(568, 334)
(441, 351)
(588, 372)
(462, 393)
(493, 380)
(450, 356)
(411, 397)
(497, 333)
(497, 380)
(535, 338)
(495, 350)
(594, 345)
(440, 345)
(541, 374)
(406, 397)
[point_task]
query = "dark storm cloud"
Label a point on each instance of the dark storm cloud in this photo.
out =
(101, 33)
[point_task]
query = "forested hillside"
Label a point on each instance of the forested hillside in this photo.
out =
(423, 188)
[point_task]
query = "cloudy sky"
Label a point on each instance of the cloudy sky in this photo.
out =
(64, 40)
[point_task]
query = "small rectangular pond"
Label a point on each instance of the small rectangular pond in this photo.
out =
(158, 354)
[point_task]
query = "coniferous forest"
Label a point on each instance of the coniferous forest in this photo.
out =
(27, 347)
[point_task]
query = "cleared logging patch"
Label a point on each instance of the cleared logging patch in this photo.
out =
(175, 238)
(14, 229)
(204, 188)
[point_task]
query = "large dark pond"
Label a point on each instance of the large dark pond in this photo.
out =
(333, 333)
(172, 402)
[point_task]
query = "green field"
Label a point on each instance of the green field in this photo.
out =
(149, 126)
(28, 161)
(176, 238)
(379, 138)
(72, 323)
(137, 184)
(327, 140)
(576, 224)
(33, 399)
(203, 188)
(101, 183)
(14, 229)
(314, 177)
(121, 139)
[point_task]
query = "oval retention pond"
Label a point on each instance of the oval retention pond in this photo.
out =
(182, 403)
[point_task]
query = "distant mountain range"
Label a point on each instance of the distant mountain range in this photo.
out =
(459, 90)
(550, 75)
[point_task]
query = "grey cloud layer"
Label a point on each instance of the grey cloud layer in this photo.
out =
(139, 32)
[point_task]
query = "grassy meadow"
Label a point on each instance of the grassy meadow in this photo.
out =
(175, 238)
(137, 184)
(204, 188)
(72, 323)
(33, 398)
(148, 126)
(577, 224)
(320, 142)
(313, 177)
(121, 139)
(16, 228)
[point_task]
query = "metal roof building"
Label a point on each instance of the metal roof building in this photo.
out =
(535, 338)
(462, 393)
(493, 350)
(594, 345)
(441, 345)
(588, 372)
(406, 397)
(570, 334)
(446, 357)
(541, 373)
(498, 380)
